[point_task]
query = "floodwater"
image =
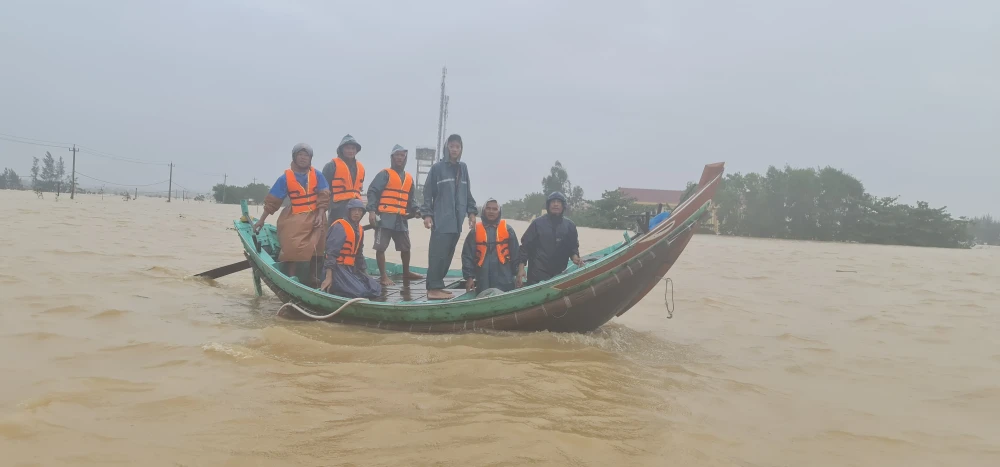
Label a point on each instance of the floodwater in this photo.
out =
(779, 354)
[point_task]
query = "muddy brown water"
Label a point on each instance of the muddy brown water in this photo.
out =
(112, 355)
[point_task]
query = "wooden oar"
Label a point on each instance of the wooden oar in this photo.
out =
(225, 270)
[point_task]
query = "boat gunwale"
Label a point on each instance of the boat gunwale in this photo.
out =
(525, 297)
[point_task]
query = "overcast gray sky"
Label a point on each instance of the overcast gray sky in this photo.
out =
(905, 95)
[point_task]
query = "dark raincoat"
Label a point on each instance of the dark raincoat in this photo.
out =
(491, 274)
(448, 200)
(547, 245)
(448, 196)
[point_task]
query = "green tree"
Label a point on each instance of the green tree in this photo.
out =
(49, 177)
(10, 180)
(60, 170)
(34, 173)
(556, 180)
(612, 211)
(527, 208)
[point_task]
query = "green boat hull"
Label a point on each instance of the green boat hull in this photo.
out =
(581, 299)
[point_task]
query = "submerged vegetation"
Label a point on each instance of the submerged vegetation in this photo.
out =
(823, 204)
(985, 230)
(231, 194)
(829, 205)
(802, 204)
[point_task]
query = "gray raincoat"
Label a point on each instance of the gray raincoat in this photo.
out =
(448, 196)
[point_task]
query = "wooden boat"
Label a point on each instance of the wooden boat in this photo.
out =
(581, 299)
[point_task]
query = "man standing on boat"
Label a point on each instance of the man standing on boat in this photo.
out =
(391, 202)
(490, 252)
(346, 175)
(346, 268)
(448, 202)
(548, 244)
(301, 224)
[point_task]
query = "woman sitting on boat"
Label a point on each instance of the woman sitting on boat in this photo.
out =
(346, 268)
(302, 224)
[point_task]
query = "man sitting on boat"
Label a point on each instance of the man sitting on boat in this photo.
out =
(301, 224)
(391, 201)
(548, 244)
(346, 175)
(346, 269)
(490, 252)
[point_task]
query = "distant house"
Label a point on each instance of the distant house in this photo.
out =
(650, 197)
(670, 200)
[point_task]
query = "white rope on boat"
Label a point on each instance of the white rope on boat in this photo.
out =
(334, 313)
(669, 302)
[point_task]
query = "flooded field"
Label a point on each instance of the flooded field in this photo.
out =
(780, 353)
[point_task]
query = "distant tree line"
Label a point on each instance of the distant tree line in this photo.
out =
(985, 230)
(829, 205)
(9, 180)
(233, 194)
(47, 175)
(802, 204)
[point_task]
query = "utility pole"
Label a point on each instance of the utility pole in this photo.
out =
(444, 126)
(224, 178)
(72, 193)
(170, 186)
(444, 72)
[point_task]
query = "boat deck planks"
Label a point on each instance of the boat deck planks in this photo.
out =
(414, 290)
(403, 291)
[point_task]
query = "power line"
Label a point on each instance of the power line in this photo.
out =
(72, 194)
(184, 188)
(207, 174)
(118, 184)
(81, 148)
(34, 139)
(94, 152)
(35, 144)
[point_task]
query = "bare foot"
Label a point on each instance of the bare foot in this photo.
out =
(386, 282)
(438, 294)
(412, 275)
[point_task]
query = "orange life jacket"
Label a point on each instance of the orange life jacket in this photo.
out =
(502, 242)
(396, 195)
(342, 186)
(348, 252)
(303, 199)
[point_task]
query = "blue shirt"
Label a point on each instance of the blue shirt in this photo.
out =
(280, 188)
